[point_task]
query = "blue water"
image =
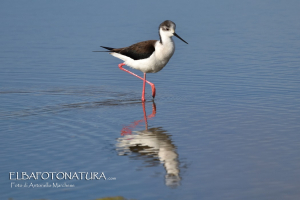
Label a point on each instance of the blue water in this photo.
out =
(227, 118)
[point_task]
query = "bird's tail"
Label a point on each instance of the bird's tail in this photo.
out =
(108, 48)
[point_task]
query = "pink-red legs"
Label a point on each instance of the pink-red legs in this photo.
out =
(144, 81)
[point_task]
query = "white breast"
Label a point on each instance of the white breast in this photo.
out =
(163, 53)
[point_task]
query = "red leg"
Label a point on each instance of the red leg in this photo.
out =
(144, 85)
(151, 84)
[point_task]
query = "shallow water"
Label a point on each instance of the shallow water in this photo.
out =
(224, 124)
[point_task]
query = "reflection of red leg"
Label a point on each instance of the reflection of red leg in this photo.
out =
(145, 116)
(151, 84)
(127, 130)
(153, 111)
(151, 115)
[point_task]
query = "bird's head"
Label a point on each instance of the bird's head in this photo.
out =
(167, 29)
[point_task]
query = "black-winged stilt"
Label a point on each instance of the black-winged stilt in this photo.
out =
(149, 56)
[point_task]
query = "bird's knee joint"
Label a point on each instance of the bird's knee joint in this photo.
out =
(121, 65)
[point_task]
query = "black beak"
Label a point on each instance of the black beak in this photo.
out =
(180, 38)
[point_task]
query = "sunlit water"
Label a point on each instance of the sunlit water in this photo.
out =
(224, 125)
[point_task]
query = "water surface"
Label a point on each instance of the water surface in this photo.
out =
(224, 124)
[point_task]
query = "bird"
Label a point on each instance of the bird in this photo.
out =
(149, 56)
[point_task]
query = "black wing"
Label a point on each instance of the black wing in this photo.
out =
(136, 51)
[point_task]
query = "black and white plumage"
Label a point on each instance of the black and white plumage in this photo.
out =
(152, 55)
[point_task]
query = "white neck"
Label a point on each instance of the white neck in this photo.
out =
(165, 38)
(164, 49)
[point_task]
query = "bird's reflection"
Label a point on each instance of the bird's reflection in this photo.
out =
(153, 145)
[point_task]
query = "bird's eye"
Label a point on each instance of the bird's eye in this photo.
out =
(167, 29)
